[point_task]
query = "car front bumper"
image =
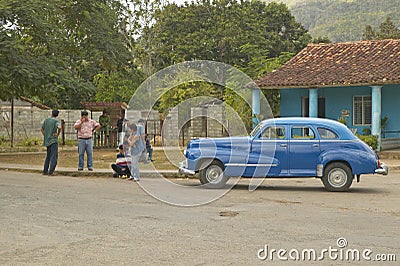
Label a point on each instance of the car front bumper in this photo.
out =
(183, 170)
(383, 170)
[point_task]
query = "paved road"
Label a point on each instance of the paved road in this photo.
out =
(64, 220)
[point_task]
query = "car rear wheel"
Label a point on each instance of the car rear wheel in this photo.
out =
(337, 177)
(212, 174)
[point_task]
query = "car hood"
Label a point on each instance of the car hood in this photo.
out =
(221, 143)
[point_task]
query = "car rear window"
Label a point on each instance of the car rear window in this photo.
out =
(327, 133)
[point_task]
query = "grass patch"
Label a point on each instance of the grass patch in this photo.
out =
(102, 159)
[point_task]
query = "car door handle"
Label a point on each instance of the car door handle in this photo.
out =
(315, 145)
(283, 145)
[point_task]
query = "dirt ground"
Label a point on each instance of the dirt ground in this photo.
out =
(60, 220)
(101, 158)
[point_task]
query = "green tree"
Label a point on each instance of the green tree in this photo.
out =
(320, 39)
(28, 66)
(369, 33)
(244, 34)
(52, 50)
(118, 86)
(386, 30)
(218, 30)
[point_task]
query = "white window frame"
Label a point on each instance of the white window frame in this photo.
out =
(363, 114)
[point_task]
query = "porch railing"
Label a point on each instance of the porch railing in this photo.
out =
(390, 134)
(101, 140)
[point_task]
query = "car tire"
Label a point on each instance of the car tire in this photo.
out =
(212, 175)
(337, 177)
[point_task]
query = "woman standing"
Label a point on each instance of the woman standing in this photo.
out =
(136, 151)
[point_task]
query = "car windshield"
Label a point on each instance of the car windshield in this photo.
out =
(255, 131)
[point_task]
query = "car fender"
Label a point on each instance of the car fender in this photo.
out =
(352, 158)
(223, 155)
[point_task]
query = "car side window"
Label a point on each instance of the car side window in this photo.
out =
(327, 133)
(302, 132)
(273, 133)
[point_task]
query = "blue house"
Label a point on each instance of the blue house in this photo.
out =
(355, 81)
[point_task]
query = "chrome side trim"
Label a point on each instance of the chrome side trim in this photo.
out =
(251, 164)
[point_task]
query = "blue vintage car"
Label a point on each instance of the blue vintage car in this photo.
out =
(285, 147)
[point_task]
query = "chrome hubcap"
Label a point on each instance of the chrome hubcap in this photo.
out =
(214, 173)
(337, 177)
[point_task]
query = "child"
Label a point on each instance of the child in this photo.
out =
(149, 149)
(122, 164)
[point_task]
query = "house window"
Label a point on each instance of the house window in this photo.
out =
(362, 106)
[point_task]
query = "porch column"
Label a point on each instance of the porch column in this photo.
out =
(255, 106)
(313, 103)
(376, 112)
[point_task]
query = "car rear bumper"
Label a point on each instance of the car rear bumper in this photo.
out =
(383, 170)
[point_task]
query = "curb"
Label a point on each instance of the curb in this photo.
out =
(108, 174)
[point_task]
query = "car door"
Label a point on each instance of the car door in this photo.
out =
(304, 149)
(269, 152)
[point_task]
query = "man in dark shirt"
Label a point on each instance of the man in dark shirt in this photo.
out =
(51, 129)
(120, 123)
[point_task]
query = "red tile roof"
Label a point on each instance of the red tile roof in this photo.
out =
(339, 64)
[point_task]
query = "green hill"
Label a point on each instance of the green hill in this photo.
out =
(342, 20)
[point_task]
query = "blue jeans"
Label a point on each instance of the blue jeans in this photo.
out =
(150, 152)
(51, 159)
(135, 165)
(85, 145)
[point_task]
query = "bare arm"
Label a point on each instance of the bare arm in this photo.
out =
(132, 139)
(143, 137)
(78, 124)
(58, 132)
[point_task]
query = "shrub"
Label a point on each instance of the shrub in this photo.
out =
(3, 139)
(371, 140)
(31, 142)
(343, 120)
(69, 142)
(366, 131)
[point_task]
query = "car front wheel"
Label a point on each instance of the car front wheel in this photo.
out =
(337, 177)
(212, 174)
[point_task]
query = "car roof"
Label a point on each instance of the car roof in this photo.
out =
(311, 120)
(343, 131)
